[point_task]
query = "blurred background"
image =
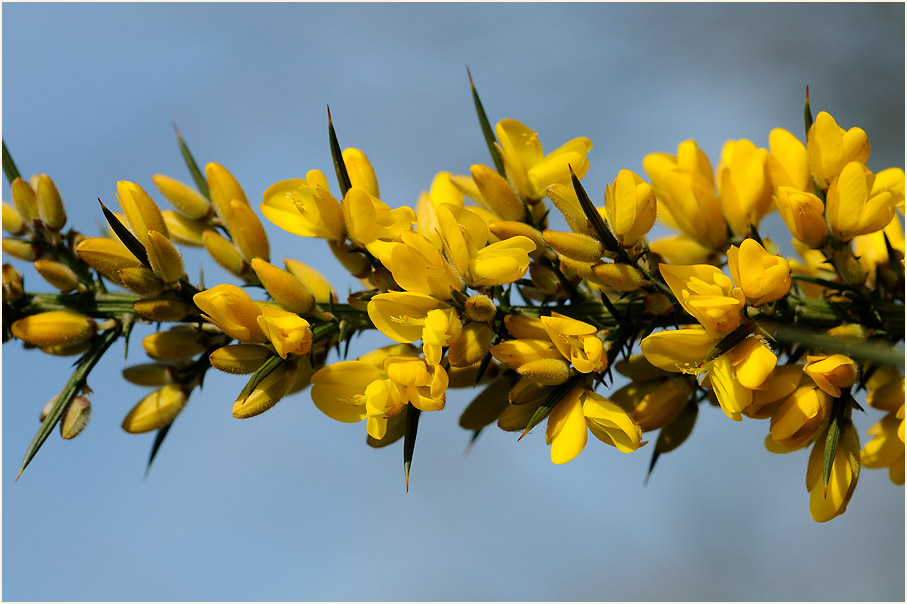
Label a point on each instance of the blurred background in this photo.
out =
(291, 505)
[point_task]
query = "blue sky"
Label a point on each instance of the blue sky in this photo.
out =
(291, 505)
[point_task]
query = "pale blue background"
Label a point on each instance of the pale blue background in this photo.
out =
(292, 505)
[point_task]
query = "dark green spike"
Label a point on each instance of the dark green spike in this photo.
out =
(126, 236)
(201, 183)
(409, 440)
(343, 177)
(9, 166)
(807, 114)
(487, 132)
(158, 439)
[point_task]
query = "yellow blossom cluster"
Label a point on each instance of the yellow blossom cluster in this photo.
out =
(473, 287)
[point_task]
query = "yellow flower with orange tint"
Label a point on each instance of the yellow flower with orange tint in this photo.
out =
(762, 276)
(577, 341)
(804, 215)
(401, 315)
(530, 170)
(418, 382)
(787, 162)
(831, 372)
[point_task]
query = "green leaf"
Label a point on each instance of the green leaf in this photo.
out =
(409, 439)
(69, 392)
(343, 177)
(487, 132)
(126, 236)
(9, 167)
(201, 183)
(158, 439)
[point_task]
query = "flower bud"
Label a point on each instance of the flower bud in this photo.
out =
(497, 193)
(527, 392)
(848, 267)
(157, 410)
(239, 358)
(25, 200)
(287, 290)
(184, 198)
(164, 310)
(639, 369)
(107, 256)
(141, 281)
(184, 231)
(45, 411)
(550, 372)
(164, 258)
(853, 332)
(582, 248)
(149, 374)
(13, 288)
(57, 274)
(545, 280)
(247, 232)
(471, 345)
(480, 307)
(75, 418)
(620, 277)
(142, 213)
(565, 199)
(675, 433)
(54, 327)
(267, 393)
(223, 252)
(654, 405)
(657, 304)
(516, 417)
(360, 171)
(488, 406)
(12, 221)
(313, 280)
(50, 205)
(505, 229)
(223, 188)
(177, 344)
(352, 260)
(66, 350)
(23, 250)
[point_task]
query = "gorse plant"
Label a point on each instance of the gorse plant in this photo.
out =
(475, 291)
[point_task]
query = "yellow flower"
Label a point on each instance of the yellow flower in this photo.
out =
(141, 212)
(886, 389)
(339, 390)
(304, 207)
(685, 189)
(800, 416)
(581, 409)
(440, 327)
(787, 161)
(853, 207)
(577, 341)
(369, 219)
(184, 198)
(231, 309)
(828, 501)
(831, 372)
(744, 188)
(891, 179)
(707, 294)
(762, 276)
(630, 205)
(654, 404)
(401, 315)
(829, 148)
(360, 171)
(737, 373)
(418, 266)
(500, 263)
(176, 344)
(886, 449)
(224, 188)
(247, 231)
(530, 170)
(288, 332)
(872, 251)
(804, 215)
(418, 382)
(156, 410)
(680, 350)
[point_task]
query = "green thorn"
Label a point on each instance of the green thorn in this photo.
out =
(201, 183)
(487, 132)
(9, 166)
(343, 177)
